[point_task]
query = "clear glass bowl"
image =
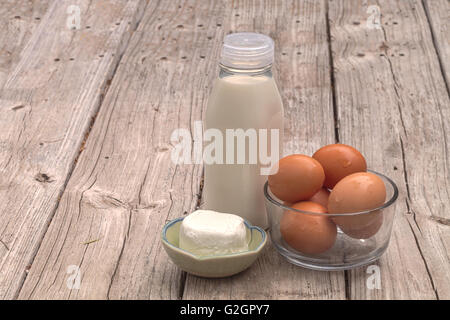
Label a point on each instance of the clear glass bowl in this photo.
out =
(361, 248)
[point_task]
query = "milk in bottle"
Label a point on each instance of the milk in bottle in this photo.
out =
(244, 108)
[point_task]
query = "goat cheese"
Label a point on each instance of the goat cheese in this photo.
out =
(206, 232)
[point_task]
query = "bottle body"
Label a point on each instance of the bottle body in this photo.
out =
(243, 103)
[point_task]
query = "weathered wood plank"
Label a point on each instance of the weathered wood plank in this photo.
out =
(125, 186)
(18, 20)
(303, 76)
(47, 102)
(393, 105)
(438, 14)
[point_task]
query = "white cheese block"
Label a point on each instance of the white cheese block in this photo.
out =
(206, 232)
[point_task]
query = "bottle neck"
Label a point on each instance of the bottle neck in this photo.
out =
(228, 71)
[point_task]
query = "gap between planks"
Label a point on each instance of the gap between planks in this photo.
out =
(332, 75)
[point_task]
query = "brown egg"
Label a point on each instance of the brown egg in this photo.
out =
(366, 232)
(321, 197)
(339, 161)
(357, 192)
(308, 233)
(298, 178)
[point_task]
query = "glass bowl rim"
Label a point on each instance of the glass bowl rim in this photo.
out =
(385, 205)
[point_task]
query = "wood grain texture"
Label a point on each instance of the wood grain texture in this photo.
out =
(125, 186)
(303, 77)
(48, 100)
(438, 15)
(393, 105)
(18, 20)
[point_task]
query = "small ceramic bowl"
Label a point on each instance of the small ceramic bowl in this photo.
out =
(216, 266)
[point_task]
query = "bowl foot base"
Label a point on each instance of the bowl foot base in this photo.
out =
(335, 267)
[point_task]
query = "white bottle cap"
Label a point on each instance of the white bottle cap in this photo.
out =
(247, 50)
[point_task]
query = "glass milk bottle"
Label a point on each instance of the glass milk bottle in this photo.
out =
(243, 128)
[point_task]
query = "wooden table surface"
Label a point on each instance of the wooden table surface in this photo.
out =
(90, 92)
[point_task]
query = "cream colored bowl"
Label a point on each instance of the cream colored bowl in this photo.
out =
(216, 266)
